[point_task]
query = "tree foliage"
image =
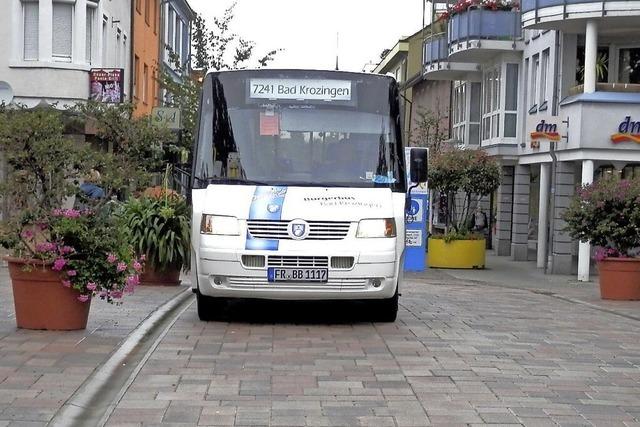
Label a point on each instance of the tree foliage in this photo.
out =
(214, 49)
(466, 174)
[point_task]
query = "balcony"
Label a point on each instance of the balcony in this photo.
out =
(477, 35)
(569, 15)
(437, 65)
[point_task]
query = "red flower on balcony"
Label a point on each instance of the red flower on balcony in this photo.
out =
(464, 5)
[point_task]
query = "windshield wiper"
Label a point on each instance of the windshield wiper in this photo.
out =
(233, 181)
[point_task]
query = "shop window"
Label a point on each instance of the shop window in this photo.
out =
(62, 31)
(629, 65)
(631, 171)
(30, 12)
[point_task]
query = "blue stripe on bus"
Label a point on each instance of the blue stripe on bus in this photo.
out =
(267, 205)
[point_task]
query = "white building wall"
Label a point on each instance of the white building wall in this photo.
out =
(51, 81)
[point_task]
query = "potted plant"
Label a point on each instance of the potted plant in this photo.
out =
(60, 258)
(159, 228)
(463, 176)
(462, 6)
(607, 214)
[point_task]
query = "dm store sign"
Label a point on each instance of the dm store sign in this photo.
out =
(627, 131)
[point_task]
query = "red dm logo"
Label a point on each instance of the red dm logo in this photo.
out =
(627, 131)
(546, 131)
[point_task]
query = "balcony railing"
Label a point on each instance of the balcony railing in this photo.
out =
(529, 5)
(483, 24)
(436, 49)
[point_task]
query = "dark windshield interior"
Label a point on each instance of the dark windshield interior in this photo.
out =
(299, 128)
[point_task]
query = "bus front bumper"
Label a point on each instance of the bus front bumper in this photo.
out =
(223, 274)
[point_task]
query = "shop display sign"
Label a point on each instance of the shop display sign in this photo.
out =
(106, 85)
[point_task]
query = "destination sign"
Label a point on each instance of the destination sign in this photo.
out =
(300, 89)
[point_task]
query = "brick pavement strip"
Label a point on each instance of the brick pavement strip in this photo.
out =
(40, 370)
(461, 353)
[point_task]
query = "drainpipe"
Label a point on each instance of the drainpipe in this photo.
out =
(554, 158)
(132, 64)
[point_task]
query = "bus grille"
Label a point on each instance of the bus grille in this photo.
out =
(298, 261)
(318, 230)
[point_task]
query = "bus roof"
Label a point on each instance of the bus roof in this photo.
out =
(294, 71)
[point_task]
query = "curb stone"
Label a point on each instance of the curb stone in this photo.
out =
(96, 398)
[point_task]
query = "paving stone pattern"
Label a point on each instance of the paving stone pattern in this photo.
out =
(459, 354)
(40, 370)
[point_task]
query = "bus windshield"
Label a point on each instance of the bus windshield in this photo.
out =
(315, 128)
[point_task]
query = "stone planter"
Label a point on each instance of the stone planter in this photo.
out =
(41, 301)
(620, 278)
(465, 254)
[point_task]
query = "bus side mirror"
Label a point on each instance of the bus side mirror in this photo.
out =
(418, 160)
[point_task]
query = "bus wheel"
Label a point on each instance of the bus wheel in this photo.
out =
(385, 310)
(209, 308)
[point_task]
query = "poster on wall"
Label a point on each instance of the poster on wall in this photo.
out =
(106, 85)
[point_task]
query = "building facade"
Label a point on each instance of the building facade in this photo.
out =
(146, 55)
(553, 92)
(50, 46)
(176, 19)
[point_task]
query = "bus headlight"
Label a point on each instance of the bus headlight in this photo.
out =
(219, 225)
(376, 228)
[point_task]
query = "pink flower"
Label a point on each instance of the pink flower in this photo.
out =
(83, 298)
(91, 286)
(27, 234)
(64, 250)
(111, 258)
(71, 213)
(137, 266)
(116, 294)
(143, 257)
(132, 282)
(121, 267)
(45, 247)
(58, 264)
(71, 273)
(57, 212)
(66, 283)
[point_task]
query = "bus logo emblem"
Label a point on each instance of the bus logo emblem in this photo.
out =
(298, 229)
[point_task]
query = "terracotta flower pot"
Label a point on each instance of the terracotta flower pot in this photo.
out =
(151, 276)
(41, 301)
(620, 278)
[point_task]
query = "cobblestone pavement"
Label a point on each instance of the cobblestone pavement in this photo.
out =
(40, 370)
(461, 353)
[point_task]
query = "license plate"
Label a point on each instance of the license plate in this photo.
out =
(297, 274)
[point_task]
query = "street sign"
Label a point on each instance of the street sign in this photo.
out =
(168, 116)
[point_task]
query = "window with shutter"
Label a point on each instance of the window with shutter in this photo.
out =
(62, 30)
(31, 33)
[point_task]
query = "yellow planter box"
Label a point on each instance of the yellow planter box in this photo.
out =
(456, 254)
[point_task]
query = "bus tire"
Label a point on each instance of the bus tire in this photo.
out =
(385, 310)
(209, 308)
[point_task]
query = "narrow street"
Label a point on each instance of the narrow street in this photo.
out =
(460, 354)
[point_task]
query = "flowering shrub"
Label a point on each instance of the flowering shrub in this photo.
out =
(464, 5)
(87, 248)
(607, 214)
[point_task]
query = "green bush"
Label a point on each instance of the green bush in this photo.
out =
(159, 228)
(607, 214)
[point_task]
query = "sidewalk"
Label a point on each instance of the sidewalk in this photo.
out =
(503, 272)
(40, 370)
